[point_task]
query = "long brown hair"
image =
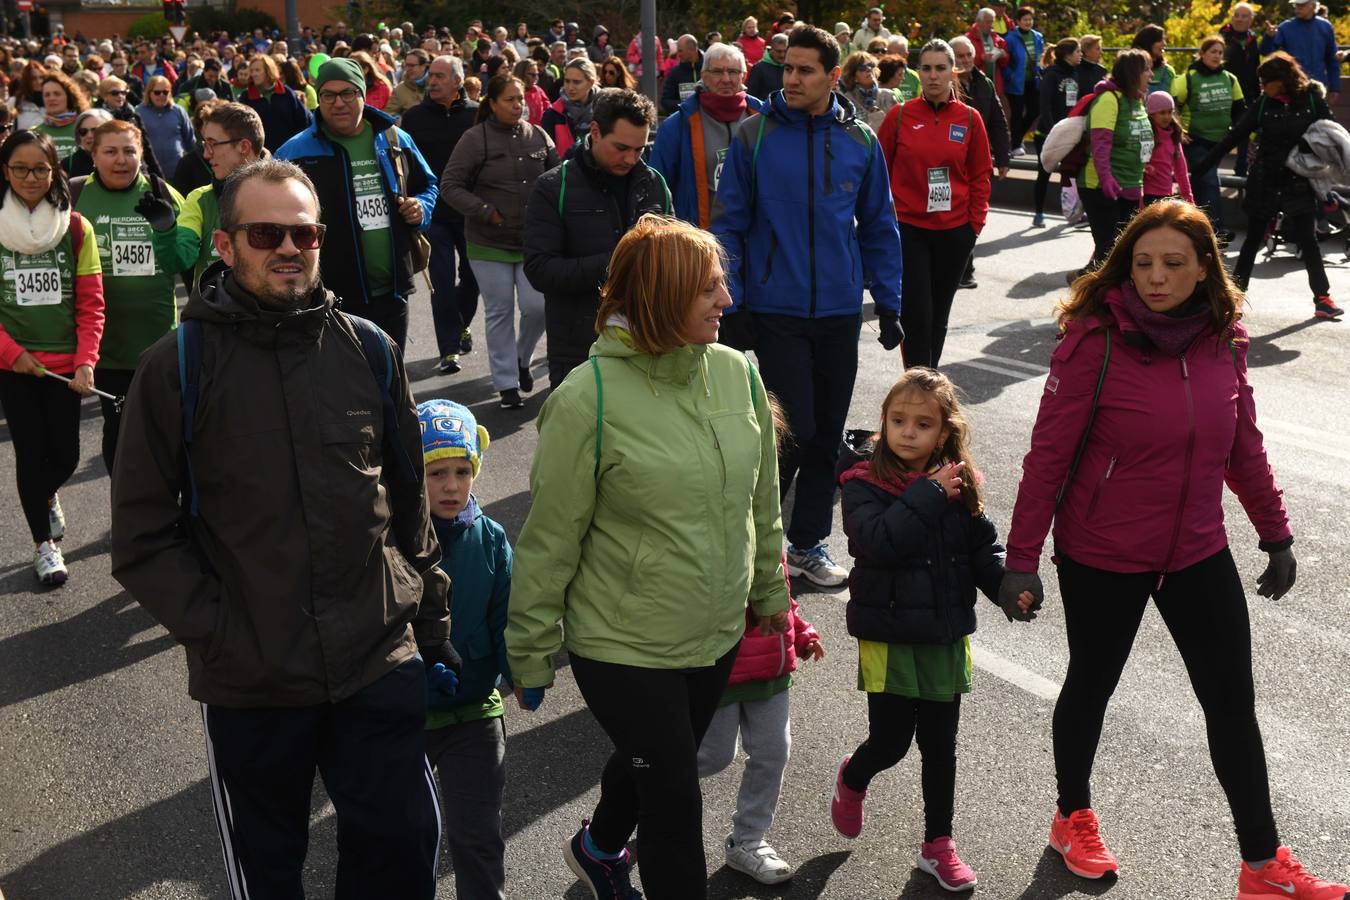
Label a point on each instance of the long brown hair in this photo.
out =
(1088, 295)
(1282, 67)
(933, 385)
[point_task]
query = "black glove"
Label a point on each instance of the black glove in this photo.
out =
(737, 330)
(1278, 578)
(892, 335)
(1013, 584)
(157, 211)
(444, 652)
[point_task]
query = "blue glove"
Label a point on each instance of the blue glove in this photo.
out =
(530, 698)
(442, 683)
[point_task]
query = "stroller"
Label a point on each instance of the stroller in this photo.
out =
(1336, 214)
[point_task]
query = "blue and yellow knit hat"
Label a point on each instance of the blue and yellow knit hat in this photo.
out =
(450, 430)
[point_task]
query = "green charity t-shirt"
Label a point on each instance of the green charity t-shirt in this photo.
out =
(909, 85)
(138, 294)
(1029, 41)
(1207, 103)
(1132, 144)
(63, 138)
(372, 210)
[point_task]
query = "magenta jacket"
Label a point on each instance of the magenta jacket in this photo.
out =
(763, 657)
(1169, 432)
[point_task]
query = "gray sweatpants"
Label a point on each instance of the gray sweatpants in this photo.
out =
(766, 735)
(503, 285)
(470, 759)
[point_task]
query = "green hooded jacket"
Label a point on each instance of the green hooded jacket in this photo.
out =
(647, 542)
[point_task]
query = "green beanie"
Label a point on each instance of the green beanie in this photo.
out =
(341, 69)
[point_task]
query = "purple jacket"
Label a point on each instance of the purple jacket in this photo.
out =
(1169, 432)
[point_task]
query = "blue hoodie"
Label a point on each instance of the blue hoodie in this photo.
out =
(1015, 76)
(1313, 43)
(789, 227)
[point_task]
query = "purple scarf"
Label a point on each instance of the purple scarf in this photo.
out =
(1172, 333)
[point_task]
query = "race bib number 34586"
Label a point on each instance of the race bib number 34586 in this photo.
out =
(37, 286)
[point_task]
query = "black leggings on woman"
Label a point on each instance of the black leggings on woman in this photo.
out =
(656, 719)
(1106, 218)
(893, 723)
(1300, 230)
(1205, 609)
(934, 261)
(44, 426)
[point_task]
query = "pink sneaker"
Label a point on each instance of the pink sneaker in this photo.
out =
(938, 858)
(846, 807)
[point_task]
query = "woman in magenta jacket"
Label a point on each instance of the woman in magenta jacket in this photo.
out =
(1146, 413)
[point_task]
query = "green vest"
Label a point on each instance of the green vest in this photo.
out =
(1132, 145)
(1207, 108)
(37, 296)
(138, 295)
(209, 219)
(63, 138)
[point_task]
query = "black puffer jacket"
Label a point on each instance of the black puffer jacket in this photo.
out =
(1272, 187)
(917, 557)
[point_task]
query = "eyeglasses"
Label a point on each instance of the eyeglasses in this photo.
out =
(867, 65)
(81, 132)
(159, 93)
(269, 235)
(23, 173)
(115, 93)
(723, 73)
(209, 146)
(330, 97)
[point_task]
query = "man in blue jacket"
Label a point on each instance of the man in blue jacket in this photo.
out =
(1310, 40)
(806, 217)
(691, 145)
(1022, 78)
(349, 156)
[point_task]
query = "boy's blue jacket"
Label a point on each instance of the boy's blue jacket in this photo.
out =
(788, 229)
(478, 560)
(673, 154)
(1015, 76)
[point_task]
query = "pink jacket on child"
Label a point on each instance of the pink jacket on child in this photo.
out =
(1167, 163)
(763, 657)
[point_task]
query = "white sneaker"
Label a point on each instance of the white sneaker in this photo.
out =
(1017, 152)
(760, 861)
(56, 520)
(816, 566)
(48, 565)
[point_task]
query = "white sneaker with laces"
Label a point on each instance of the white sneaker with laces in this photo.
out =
(56, 519)
(816, 566)
(48, 565)
(758, 860)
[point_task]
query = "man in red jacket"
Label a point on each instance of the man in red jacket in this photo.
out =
(991, 51)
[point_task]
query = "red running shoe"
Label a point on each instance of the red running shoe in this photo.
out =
(1284, 878)
(1078, 840)
(938, 858)
(1325, 308)
(846, 807)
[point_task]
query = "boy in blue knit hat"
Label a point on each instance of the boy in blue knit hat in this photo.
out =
(466, 739)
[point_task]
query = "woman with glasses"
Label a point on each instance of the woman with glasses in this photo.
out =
(138, 292)
(570, 115)
(62, 101)
(51, 320)
(166, 124)
(488, 180)
(116, 96)
(81, 162)
(281, 109)
(536, 101)
(858, 84)
(614, 74)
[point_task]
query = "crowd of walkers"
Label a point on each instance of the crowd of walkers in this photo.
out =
(312, 538)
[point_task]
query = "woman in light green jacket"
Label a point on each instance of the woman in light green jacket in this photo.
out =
(655, 520)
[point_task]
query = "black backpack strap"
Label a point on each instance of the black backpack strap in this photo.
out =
(375, 347)
(1092, 415)
(189, 334)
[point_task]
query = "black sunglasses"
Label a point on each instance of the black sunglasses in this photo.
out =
(269, 235)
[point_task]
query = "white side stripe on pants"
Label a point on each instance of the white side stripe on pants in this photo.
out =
(234, 872)
(436, 805)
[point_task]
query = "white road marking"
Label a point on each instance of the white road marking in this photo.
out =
(1016, 675)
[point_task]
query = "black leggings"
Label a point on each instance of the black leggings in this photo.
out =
(1042, 179)
(893, 722)
(1106, 218)
(1026, 109)
(1300, 230)
(44, 426)
(1205, 610)
(933, 264)
(656, 719)
(115, 382)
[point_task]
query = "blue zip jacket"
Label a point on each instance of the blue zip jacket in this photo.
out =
(788, 227)
(342, 262)
(678, 161)
(1313, 43)
(1015, 76)
(477, 557)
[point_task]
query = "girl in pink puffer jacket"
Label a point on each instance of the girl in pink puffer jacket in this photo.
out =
(755, 705)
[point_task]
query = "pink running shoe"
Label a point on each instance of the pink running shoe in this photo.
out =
(846, 807)
(938, 858)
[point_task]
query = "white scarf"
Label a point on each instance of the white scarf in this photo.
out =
(30, 233)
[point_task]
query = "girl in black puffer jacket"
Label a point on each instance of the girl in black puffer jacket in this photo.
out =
(921, 546)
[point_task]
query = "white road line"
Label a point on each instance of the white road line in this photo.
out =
(985, 365)
(1016, 675)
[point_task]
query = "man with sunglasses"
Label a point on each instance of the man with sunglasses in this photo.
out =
(352, 153)
(300, 576)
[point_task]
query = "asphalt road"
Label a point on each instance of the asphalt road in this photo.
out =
(102, 766)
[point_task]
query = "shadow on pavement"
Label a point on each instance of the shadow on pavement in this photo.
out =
(1052, 881)
(1264, 350)
(809, 882)
(563, 759)
(510, 512)
(1014, 341)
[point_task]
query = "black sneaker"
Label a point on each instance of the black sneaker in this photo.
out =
(526, 379)
(511, 399)
(449, 365)
(1224, 236)
(968, 283)
(465, 341)
(607, 879)
(1325, 308)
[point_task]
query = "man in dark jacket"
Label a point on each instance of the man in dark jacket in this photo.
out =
(299, 571)
(1241, 56)
(209, 78)
(436, 125)
(569, 237)
(767, 75)
(348, 155)
(978, 93)
(681, 80)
